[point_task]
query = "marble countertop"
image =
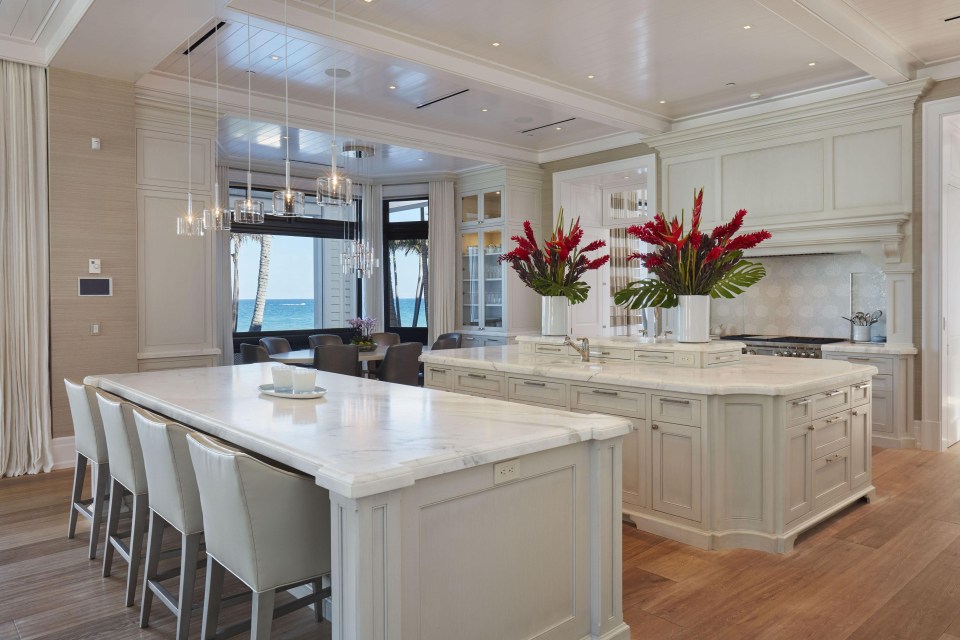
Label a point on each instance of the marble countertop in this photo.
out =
(761, 375)
(364, 437)
(878, 348)
(637, 342)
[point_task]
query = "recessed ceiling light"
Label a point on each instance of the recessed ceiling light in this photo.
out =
(368, 1)
(754, 96)
(274, 57)
(484, 110)
(495, 44)
(591, 77)
(731, 84)
(559, 128)
(748, 26)
(393, 86)
(626, 177)
(811, 64)
(663, 102)
(419, 159)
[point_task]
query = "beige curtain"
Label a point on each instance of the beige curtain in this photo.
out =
(373, 233)
(442, 234)
(623, 321)
(24, 283)
(224, 275)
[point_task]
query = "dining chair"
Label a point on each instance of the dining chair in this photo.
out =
(401, 364)
(318, 339)
(337, 358)
(127, 475)
(384, 339)
(275, 345)
(250, 353)
(268, 527)
(445, 343)
(174, 501)
(452, 336)
(91, 446)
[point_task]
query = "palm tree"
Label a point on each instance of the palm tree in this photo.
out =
(418, 247)
(256, 323)
(237, 240)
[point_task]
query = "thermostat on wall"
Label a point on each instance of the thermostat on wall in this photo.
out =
(94, 286)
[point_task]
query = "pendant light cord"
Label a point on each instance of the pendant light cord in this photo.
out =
(333, 143)
(189, 135)
(286, 96)
(249, 118)
(216, 113)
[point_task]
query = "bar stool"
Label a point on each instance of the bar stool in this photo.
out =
(174, 501)
(268, 527)
(91, 445)
(127, 475)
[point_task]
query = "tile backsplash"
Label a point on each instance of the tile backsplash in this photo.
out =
(805, 296)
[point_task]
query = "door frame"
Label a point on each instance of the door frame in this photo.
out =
(932, 322)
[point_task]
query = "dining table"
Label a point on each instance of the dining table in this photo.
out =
(305, 356)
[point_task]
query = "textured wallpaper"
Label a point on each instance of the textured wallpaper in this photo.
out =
(805, 296)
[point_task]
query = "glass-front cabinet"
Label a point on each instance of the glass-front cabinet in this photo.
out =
(481, 207)
(481, 279)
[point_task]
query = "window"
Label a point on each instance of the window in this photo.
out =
(406, 270)
(286, 273)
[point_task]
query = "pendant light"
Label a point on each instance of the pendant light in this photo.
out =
(358, 256)
(217, 218)
(189, 224)
(248, 210)
(334, 190)
(287, 202)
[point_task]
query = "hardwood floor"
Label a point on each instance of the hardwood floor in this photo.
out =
(887, 570)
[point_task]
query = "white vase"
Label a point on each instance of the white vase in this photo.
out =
(553, 316)
(693, 319)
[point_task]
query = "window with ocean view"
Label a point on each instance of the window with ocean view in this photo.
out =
(406, 263)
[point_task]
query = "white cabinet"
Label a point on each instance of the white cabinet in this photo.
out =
(797, 472)
(675, 454)
(482, 294)
(861, 447)
(636, 465)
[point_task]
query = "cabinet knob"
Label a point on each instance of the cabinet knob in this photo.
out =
(655, 427)
(810, 428)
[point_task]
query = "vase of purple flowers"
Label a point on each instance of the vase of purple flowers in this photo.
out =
(362, 327)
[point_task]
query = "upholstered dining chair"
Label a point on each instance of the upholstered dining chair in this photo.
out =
(250, 353)
(127, 475)
(401, 364)
(318, 339)
(91, 446)
(174, 501)
(275, 345)
(449, 338)
(337, 358)
(268, 527)
(383, 339)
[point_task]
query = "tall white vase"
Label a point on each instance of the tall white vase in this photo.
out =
(693, 319)
(554, 316)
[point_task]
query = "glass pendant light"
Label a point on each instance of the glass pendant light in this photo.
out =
(334, 190)
(189, 224)
(217, 218)
(287, 202)
(248, 210)
(358, 256)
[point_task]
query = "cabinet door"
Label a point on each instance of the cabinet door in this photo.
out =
(882, 405)
(493, 289)
(470, 280)
(861, 447)
(797, 473)
(492, 206)
(636, 465)
(469, 208)
(676, 458)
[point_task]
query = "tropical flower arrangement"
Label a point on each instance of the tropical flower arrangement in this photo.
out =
(555, 268)
(692, 262)
(361, 331)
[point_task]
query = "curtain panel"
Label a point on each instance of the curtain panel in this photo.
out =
(24, 285)
(372, 198)
(442, 236)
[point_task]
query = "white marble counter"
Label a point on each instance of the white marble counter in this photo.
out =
(754, 374)
(365, 437)
(638, 342)
(877, 348)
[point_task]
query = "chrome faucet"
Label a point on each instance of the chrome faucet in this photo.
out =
(583, 349)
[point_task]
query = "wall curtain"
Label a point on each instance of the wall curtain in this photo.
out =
(373, 233)
(221, 265)
(24, 287)
(442, 236)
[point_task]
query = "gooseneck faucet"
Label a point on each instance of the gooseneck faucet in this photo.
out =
(583, 349)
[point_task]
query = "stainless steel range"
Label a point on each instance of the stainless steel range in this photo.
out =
(783, 346)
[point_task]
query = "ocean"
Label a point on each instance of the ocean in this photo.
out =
(281, 315)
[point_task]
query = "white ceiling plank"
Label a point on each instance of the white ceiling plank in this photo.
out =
(33, 18)
(846, 32)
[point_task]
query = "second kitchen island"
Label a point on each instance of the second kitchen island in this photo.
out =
(746, 455)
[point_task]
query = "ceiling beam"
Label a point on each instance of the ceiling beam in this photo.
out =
(846, 32)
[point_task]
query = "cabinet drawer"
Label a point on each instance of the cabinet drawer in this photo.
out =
(830, 434)
(860, 393)
(552, 349)
(722, 357)
(654, 357)
(676, 410)
(494, 342)
(831, 478)
(619, 403)
(885, 365)
(799, 411)
(832, 401)
(492, 385)
(437, 377)
(611, 353)
(468, 342)
(537, 391)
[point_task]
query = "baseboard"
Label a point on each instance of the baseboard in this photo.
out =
(64, 452)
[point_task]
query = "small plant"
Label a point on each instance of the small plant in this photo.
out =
(361, 330)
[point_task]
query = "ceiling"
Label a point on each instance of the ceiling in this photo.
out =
(655, 64)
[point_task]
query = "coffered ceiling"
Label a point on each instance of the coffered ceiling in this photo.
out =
(538, 79)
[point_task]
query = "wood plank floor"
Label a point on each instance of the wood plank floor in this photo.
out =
(887, 570)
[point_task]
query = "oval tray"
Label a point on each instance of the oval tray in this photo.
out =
(318, 392)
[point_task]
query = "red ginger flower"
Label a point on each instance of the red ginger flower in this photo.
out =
(726, 231)
(748, 240)
(593, 246)
(599, 262)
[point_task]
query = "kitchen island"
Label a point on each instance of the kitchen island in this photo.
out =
(452, 517)
(747, 454)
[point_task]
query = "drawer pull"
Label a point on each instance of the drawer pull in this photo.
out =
(833, 458)
(532, 383)
(655, 427)
(599, 353)
(604, 392)
(834, 419)
(435, 370)
(656, 356)
(729, 356)
(674, 401)
(800, 403)
(549, 348)
(811, 428)
(481, 376)
(829, 394)
(862, 385)
(854, 413)
(859, 359)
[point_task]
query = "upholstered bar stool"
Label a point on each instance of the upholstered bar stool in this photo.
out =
(268, 527)
(91, 445)
(174, 501)
(127, 475)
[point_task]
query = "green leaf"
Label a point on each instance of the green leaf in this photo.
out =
(743, 275)
(645, 293)
(575, 293)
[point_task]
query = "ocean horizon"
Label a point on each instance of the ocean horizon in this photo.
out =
(290, 314)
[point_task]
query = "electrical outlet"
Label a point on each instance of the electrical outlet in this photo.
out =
(506, 471)
(95, 329)
(94, 265)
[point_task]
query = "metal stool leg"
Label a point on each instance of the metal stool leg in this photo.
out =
(101, 480)
(137, 527)
(190, 553)
(262, 615)
(113, 525)
(154, 544)
(211, 598)
(79, 473)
